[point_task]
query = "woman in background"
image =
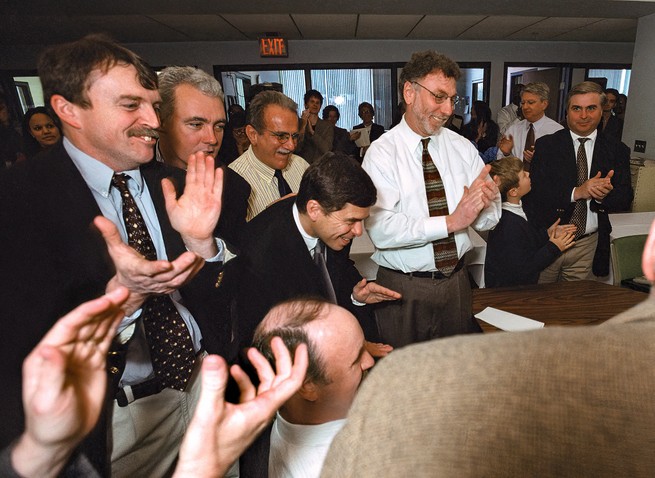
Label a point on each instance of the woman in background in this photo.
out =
(40, 131)
(482, 131)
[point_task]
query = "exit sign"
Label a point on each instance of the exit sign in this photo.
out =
(273, 47)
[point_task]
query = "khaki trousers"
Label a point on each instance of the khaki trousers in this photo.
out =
(574, 264)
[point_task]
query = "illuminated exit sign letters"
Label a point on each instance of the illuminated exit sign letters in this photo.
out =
(273, 47)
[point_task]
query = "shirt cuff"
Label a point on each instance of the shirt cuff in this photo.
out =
(436, 228)
(220, 245)
(356, 302)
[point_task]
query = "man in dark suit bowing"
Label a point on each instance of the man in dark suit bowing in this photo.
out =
(580, 175)
(53, 258)
(296, 247)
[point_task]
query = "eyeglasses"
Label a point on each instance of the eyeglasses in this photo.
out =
(455, 100)
(284, 137)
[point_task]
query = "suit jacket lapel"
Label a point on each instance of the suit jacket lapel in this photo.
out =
(153, 173)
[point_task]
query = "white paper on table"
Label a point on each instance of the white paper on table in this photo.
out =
(364, 138)
(507, 321)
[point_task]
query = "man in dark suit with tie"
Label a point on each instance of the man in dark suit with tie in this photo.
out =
(53, 258)
(580, 175)
(284, 243)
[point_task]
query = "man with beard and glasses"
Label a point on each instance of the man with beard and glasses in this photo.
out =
(269, 165)
(297, 442)
(53, 258)
(432, 185)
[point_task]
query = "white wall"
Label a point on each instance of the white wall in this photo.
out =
(207, 54)
(640, 111)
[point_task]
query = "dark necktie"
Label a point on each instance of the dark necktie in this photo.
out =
(282, 184)
(171, 348)
(445, 250)
(529, 145)
(579, 216)
(321, 263)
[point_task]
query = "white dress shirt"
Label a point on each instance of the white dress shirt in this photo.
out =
(519, 131)
(400, 225)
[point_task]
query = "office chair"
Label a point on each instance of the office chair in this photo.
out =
(626, 257)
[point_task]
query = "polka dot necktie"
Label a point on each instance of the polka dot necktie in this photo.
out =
(445, 250)
(171, 348)
(579, 216)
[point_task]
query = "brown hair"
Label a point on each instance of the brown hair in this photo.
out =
(288, 320)
(505, 172)
(423, 63)
(66, 69)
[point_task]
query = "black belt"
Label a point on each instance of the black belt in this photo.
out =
(130, 393)
(429, 275)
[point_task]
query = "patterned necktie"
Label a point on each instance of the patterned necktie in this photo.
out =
(445, 250)
(579, 216)
(282, 184)
(171, 348)
(321, 263)
(529, 145)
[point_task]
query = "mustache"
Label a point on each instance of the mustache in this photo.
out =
(285, 151)
(144, 132)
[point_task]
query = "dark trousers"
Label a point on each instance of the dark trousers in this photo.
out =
(430, 308)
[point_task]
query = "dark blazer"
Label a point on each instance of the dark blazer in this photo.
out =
(53, 259)
(516, 252)
(553, 174)
(377, 130)
(276, 266)
(232, 223)
(613, 128)
(343, 144)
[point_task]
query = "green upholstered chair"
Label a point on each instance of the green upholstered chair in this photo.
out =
(626, 257)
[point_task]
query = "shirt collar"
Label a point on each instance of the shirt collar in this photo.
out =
(310, 241)
(96, 174)
(263, 170)
(591, 136)
(413, 139)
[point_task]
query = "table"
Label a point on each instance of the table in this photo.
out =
(562, 303)
(630, 223)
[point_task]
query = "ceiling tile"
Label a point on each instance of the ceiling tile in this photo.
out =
(498, 27)
(257, 25)
(443, 27)
(386, 26)
(326, 26)
(201, 27)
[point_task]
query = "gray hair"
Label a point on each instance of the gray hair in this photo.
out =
(173, 76)
(538, 88)
(255, 114)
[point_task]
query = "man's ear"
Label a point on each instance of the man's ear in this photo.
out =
(648, 257)
(309, 391)
(67, 111)
(252, 134)
(408, 93)
(314, 209)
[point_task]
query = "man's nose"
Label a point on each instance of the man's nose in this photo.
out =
(210, 135)
(358, 229)
(150, 116)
